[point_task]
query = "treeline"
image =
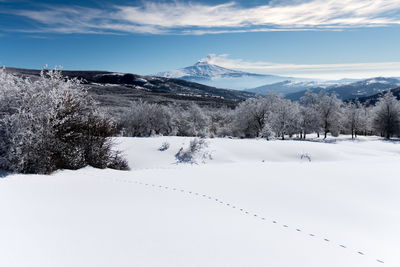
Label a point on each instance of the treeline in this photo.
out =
(52, 123)
(267, 117)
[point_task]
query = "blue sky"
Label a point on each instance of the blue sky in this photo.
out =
(304, 38)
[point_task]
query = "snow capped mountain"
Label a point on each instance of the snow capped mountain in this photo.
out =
(212, 75)
(202, 70)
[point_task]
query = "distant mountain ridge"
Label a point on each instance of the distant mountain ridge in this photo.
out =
(372, 99)
(358, 89)
(292, 86)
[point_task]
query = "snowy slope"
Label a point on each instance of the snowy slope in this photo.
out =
(256, 203)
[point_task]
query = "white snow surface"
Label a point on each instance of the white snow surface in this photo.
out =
(255, 203)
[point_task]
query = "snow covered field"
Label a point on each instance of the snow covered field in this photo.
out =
(255, 203)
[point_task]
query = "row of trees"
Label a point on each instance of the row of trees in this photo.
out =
(269, 117)
(52, 123)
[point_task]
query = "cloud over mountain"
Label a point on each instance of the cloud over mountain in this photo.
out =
(323, 71)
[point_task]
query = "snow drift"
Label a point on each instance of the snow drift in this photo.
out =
(255, 203)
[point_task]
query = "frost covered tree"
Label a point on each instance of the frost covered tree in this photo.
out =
(366, 119)
(329, 108)
(52, 123)
(353, 119)
(192, 121)
(267, 132)
(386, 116)
(309, 120)
(251, 115)
(284, 118)
(146, 119)
(310, 113)
(220, 121)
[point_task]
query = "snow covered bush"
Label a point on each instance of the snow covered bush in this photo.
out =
(194, 152)
(164, 146)
(52, 123)
(117, 161)
(305, 156)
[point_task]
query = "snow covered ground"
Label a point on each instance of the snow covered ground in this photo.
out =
(255, 203)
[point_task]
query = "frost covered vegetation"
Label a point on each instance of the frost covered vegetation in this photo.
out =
(267, 117)
(52, 123)
(194, 153)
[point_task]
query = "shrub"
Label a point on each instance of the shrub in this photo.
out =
(52, 123)
(193, 152)
(164, 146)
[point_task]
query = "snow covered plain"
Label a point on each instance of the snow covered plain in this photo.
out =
(255, 203)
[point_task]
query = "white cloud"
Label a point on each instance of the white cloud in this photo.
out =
(307, 14)
(195, 18)
(82, 20)
(320, 71)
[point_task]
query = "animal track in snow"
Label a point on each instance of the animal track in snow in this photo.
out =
(234, 207)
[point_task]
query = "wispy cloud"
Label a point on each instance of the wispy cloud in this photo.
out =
(59, 19)
(196, 18)
(306, 14)
(320, 71)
